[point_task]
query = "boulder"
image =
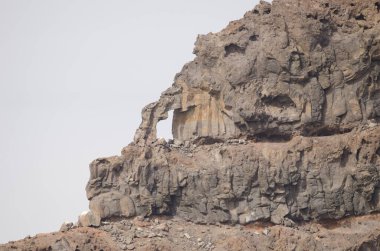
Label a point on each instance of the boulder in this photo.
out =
(88, 219)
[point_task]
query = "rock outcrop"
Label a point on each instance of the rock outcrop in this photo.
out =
(276, 128)
(276, 119)
(306, 68)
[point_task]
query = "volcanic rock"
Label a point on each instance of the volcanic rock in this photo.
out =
(276, 143)
(276, 119)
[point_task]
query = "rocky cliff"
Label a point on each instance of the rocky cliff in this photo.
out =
(276, 121)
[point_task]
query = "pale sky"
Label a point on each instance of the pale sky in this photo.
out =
(75, 75)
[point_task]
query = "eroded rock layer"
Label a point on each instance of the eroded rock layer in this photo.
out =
(276, 119)
(293, 67)
(305, 178)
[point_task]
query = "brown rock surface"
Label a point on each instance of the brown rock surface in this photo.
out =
(276, 119)
(276, 122)
(291, 68)
(305, 178)
(358, 233)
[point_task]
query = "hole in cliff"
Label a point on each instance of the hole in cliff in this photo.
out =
(281, 101)
(173, 205)
(266, 11)
(233, 48)
(377, 4)
(164, 127)
(378, 151)
(344, 157)
(243, 28)
(358, 154)
(253, 37)
(325, 131)
(270, 137)
(207, 140)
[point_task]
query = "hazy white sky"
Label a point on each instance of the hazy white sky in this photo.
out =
(75, 75)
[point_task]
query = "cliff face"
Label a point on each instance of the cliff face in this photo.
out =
(305, 68)
(302, 179)
(276, 119)
(276, 122)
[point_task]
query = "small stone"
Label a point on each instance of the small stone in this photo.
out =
(289, 222)
(187, 144)
(321, 235)
(140, 218)
(187, 235)
(89, 219)
(128, 239)
(161, 141)
(163, 227)
(142, 234)
(151, 235)
(177, 143)
(130, 247)
(66, 226)
(265, 231)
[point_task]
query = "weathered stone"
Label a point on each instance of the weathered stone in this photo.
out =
(283, 107)
(301, 69)
(275, 120)
(304, 178)
(88, 219)
(66, 226)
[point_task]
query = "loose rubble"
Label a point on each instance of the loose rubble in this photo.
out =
(172, 233)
